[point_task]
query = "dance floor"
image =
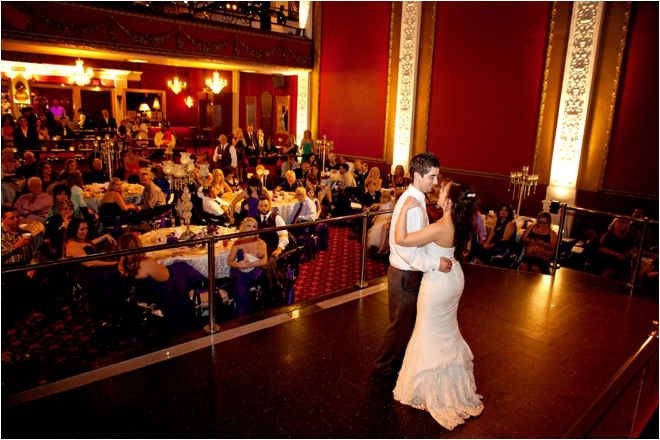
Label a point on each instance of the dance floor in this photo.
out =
(543, 351)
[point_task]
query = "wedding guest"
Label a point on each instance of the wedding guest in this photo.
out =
(374, 174)
(97, 174)
(540, 243)
(9, 164)
(36, 204)
(307, 145)
(225, 155)
(503, 231)
(160, 180)
(8, 127)
(398, 180)
(290, 146)
(56, 226)
(29, 167)
(615, 249)
(42, 130)
(378, 235)
(214, 205)
(250, 197)
(290, 184)
(332, 162)
(57, 110)
(231, 179)
(123, 138)
(132, 166)
(69, 166)
(251, 147)
(371, 199)
(84, 121)
(153, 199)
(25, 136)
(289, 165)
(75, 182)
(304, 210)
(637, 229)
(276, 242)
(271, 152)
(44, 172)
(246, 254)
(106, 123)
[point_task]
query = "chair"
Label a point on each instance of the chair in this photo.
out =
(224, 289)
(275, 285)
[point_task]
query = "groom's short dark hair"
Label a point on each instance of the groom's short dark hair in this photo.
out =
(422, 163)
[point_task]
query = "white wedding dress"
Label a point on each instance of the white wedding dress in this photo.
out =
(436, 375)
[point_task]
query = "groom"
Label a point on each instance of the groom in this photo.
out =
(407, 265)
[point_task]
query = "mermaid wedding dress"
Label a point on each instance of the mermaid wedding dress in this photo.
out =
(436, 375)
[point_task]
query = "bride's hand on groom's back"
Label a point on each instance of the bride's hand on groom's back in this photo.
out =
(410, 203)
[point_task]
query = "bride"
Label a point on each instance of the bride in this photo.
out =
(436, 375)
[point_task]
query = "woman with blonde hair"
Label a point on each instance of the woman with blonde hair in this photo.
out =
(246, 254)
(217, 179)
(374, 174)
(238, 142)
(307, 145)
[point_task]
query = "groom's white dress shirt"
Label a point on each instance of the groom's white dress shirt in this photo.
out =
(412, 258)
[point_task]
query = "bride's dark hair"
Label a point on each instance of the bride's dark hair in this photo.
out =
(463, 207)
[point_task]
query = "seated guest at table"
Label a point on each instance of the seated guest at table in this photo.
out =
(42, 130)
(36, 204)
(132, 166)
(97, 174)
(343, 160)
(8, 127)
(62, 193)
(56, 229)
(374, 174)
(540, 243)
(398, 180)
(315, 170)
(29, 167)
(123, 139)
(289, 165)
(106, 123)
(370, 200)
(44, 172)
(84, 121)
(203, 159)
(214, 205)
(71, 122)
(139, 127)
(358, 174)
(276, 242)
(636, 229)
(304, 210)
(270, 152)
(69, 166)
(250, 197)
(20, 287)
(615, 248)
(128, 124)
(230, 178)
(301, 173)
(347, 178)
(169, 284)
(480, 234)
(332, 162)
(246, 254)
(153, 199)
(25, 136)
(378, 235)
(9, 163)
(290, 146)
(113, 205)
(217, 180)
(97, 277)
(160, 180)
(313, 194)
(503, 231)
(75, 182)
(290, 184)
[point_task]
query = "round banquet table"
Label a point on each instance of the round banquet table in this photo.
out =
(284, 206)
(196, 257)
(35, 228)
(93, 202)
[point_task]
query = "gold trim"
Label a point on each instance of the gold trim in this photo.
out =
(476, 173)
(430, 82)
(544, 91)
(389, 81)
(629, 194)
(316, 91)
(21, 37)
(617, 75)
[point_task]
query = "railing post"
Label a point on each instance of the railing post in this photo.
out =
(365, 222)
(562, 220)
(638, 260)
(212, 327)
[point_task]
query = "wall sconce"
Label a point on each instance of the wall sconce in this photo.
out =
(189, 102)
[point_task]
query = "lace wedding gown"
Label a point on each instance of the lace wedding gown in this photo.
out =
(436, 375)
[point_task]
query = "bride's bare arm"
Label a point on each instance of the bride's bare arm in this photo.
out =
(413, 239)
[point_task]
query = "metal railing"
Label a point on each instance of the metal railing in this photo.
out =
(644, 362)
(562, 222)
(212, 326)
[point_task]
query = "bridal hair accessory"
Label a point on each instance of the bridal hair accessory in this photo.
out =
(471, 195)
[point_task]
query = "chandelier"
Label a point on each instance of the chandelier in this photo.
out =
(176, 85)
(79, 75)
(217, 84)
(189, 102)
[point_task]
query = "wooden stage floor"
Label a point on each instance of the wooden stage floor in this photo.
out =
(543, 351)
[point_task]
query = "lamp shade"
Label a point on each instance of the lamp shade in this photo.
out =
(144, 107)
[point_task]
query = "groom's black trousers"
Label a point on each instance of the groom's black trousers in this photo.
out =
(403, 289)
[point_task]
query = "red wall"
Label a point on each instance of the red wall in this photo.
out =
(354, 54)
(486, 82)
(632, 164)
(252, 84)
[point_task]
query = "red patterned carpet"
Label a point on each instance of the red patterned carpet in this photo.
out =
(339, 266)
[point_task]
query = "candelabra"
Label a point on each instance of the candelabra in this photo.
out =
(263, 175)
(260, 141)
(109, 154)
(522, 183)
(323, 148)
(180, 175)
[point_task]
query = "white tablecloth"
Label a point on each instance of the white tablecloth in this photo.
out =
(196, 257)
(284, 207)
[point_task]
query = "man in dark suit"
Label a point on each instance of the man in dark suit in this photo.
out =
(251, 147)
(64, 132)
(25, 137)
(106, 123)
